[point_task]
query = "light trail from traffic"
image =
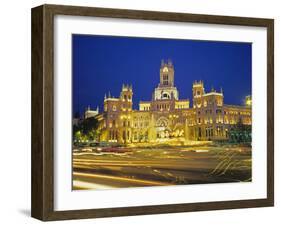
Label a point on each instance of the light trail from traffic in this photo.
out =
(139, 167)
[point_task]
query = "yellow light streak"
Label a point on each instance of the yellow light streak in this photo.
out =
(138, 181)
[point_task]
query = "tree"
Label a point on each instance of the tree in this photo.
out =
(89, 124)
(86, 130)
(240, 133)
(77, 135)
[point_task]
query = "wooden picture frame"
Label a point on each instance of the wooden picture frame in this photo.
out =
(43, 107)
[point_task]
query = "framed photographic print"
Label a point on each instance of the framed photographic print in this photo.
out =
(141, 112)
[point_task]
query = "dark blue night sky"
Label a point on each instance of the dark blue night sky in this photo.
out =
(103, 63)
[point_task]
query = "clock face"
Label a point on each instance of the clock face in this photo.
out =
(165, 69)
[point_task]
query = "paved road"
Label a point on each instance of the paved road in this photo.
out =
(138, 167)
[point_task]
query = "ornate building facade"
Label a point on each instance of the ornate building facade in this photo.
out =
(166, 117)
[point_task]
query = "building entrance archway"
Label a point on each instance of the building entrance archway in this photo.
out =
(162, 128)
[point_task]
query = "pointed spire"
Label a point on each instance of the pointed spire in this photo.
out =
(170, 63)
(221, 90)
(105, 96)
(97, 109)
(109, 94)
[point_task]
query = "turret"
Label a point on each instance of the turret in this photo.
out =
(126, 97)
(198, 91)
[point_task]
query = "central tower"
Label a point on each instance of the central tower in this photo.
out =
(166, 74)
(166, 88)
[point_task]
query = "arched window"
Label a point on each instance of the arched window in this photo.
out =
(165, 79)
(166, 96)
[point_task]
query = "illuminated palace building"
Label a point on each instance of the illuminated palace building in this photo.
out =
(166, 117)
